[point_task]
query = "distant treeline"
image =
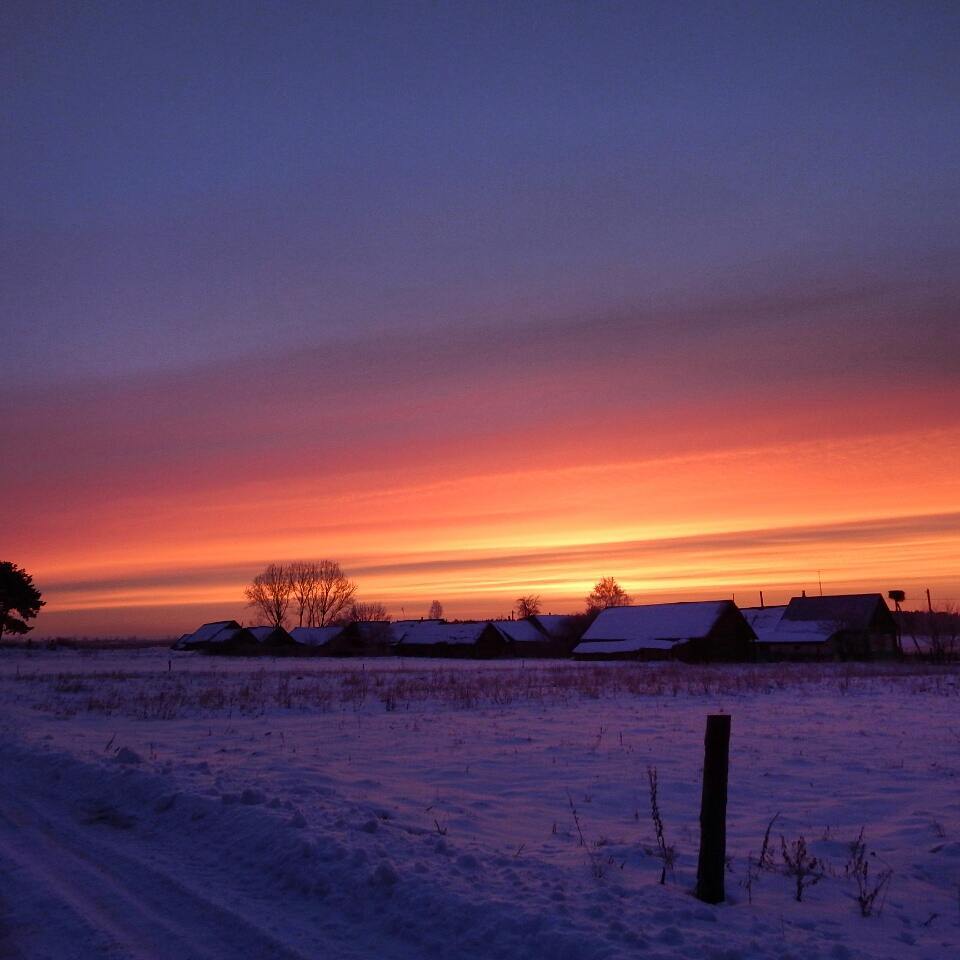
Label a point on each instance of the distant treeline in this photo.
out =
(86, 643)
(934, 633)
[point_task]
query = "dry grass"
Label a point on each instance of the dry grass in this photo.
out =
(157, 694)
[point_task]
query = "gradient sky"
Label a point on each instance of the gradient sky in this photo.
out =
(479, 299)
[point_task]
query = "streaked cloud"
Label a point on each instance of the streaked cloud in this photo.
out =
(477, 303)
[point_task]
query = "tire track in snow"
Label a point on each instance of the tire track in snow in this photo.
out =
(141, 912)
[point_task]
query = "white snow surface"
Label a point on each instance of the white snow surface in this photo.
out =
(555, 624)
(655, 626)
(434, 632)
(315, 636)
(802, 631)
(219, 631)
(523, 631)
(763, 620)
(169, 805)
(770, 627)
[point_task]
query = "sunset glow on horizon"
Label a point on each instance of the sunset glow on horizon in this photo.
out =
(479, 304)
(713, 523)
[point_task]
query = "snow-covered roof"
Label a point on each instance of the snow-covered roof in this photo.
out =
(399, 627)
(770, 626)
(763, 620)
(801, 631)
(522, 631)
(816, 619)
(265, 633)
(207, 632)
(437, 631)
(225, 635)
(555, 624)
(314, 636)
(654, 626)
(851, 611)
(216, 632)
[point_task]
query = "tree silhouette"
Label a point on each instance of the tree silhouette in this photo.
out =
(527, 606)
(316, 590)
(333, 596)
(436, 611)
(270, 593)
(368, 611)
(304, 580)
(607, 593)
(17, 595)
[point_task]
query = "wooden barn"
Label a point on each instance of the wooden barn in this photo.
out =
(524, 638)
(563, 630)
(362, 638)
(314, 641)
(273, 641)
(856, 626)
(220, 637)
(436, 638)
(700, 631)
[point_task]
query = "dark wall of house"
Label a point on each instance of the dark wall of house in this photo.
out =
(719, 647)
(531, 650)
(843, 645)
(489, 644)
(731, 639)
(862, 645)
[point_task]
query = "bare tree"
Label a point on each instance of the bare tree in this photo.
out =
(942, 628)
(333, 596)
(527, 606)
(368, 612)
(304, 576)
(607, 593)
(270, 593)
(436, 611)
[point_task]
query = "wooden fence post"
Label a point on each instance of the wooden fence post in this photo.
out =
(713, 810)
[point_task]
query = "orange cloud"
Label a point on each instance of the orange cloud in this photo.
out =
(472, 472)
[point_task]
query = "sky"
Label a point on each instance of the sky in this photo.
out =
(481, 300)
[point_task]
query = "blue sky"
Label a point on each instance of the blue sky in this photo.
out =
(433, 286)
(190, 182)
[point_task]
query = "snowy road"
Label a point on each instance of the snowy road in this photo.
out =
(406, 814)
(70, 892)
(82, 878)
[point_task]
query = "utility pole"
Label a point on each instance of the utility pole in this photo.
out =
(898, 596)
(713, 810)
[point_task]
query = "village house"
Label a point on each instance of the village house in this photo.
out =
(273, 640)
(314, 640)
(218, 636)
(856, 626)
(362, 638)
(564, 630)
(698, 631)
(436, 638)
(524, 638)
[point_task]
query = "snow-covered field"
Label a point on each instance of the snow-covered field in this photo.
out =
(158, 805)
